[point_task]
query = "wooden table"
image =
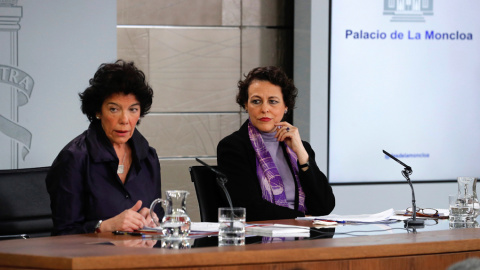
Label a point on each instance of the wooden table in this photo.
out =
(424, 250)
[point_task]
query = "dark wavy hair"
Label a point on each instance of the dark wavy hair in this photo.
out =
(114, 78)
(275, 76)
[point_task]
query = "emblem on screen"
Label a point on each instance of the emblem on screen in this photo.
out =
(15, 84)
(408, 10)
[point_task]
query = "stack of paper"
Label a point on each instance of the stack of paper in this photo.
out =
(365, 218)
(278, 230)
(204, 227)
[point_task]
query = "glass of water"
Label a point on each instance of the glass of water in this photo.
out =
(231, 230)
(461, 209)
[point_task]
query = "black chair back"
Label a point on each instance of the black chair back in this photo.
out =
(210, 196)
(25, 203)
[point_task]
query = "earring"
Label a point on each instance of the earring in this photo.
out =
(98, 117)
(286, 111)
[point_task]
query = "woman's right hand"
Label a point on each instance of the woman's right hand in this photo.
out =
(129, 220)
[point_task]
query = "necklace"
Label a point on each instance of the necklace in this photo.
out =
(120, 166)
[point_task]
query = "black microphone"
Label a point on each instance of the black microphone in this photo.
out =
(408, 168)
(411, 222)
(221, 180)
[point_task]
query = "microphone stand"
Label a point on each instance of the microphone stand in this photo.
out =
(411, 222)
(221, 180)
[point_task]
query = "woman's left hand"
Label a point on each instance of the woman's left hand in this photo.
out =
(145, 212)
(291, 136)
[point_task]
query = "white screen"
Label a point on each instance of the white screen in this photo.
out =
(417, 97)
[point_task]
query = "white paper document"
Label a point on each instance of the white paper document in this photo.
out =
(194, 227)
(204, 226)
(367, 218)
(278, 230)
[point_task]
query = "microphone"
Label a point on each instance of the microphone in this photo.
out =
(411, 222)
(408, 168)
(221, 180)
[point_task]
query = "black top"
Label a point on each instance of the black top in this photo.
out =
(236, 158)
(84, 186)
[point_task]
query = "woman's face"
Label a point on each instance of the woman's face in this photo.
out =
(265, 105)
(119, 116)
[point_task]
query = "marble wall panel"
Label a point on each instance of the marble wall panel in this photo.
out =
(231, 12)
(194, 69)
(244, 117)
(187, 135)
(132, 45)
(265, 47)
(267, 13)
(175, 175)
(178, 12)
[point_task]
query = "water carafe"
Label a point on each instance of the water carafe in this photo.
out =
(175, 223)
(467, 193)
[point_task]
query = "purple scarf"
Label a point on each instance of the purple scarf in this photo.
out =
(267, 173)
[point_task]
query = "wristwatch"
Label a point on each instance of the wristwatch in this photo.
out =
(301, 166)
(97, 227)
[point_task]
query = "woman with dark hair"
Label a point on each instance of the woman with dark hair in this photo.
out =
(100, 180)
(270, 170)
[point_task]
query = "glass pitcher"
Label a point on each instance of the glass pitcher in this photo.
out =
(176, 223)
(467, 193)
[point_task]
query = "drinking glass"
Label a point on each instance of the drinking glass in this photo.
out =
(231, 230)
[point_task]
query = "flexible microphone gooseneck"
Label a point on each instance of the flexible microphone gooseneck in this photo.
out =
(221, 180)
(411, 222)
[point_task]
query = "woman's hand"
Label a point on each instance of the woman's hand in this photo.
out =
(135, 243)
(145, 212)
(129, 220)
(291, 136)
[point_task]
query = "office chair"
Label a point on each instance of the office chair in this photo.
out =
(25, 204)
(210, 196)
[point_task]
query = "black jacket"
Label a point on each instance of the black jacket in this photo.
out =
(236, 158)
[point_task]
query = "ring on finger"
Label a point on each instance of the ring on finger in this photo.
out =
(288, 129)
